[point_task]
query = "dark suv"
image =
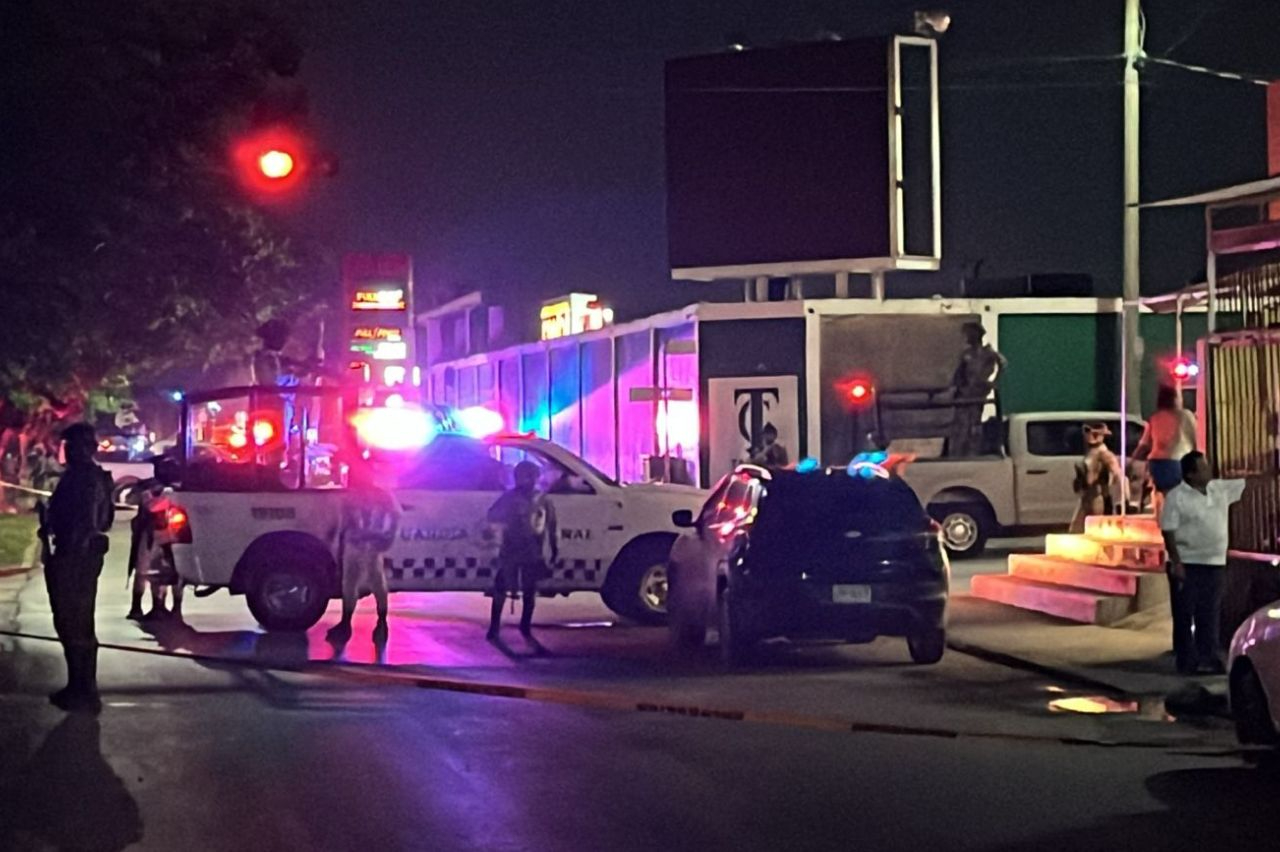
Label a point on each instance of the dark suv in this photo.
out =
(825, 554)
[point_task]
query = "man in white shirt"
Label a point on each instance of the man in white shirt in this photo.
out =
(1194, 524)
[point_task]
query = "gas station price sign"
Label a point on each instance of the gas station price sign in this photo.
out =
(379, 317)
(380, 299)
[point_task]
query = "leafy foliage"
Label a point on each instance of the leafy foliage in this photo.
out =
(126, 247)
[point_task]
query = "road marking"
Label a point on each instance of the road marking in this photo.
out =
(618, 701)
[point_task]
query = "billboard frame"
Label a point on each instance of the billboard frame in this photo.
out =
(898, 259)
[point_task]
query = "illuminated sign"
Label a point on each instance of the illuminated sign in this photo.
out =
(573, 314)
(383, 350)
(378, 300)
(377, 332)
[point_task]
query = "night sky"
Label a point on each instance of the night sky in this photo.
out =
(516, 146)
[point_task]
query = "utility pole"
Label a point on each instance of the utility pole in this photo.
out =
(1132, 250)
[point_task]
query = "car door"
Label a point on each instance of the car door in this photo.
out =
(1045, 472)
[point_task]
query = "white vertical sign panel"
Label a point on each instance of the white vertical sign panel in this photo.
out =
(740, 407)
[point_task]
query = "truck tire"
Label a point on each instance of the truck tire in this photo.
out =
(965, 527)
(927, 646)
(1249, 707)
(636, 587)
(288, 592)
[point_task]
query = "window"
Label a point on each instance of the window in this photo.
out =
(553, 477)
(453, 463)
(1066, 437)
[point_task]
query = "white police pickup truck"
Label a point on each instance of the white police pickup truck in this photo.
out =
(259, 478)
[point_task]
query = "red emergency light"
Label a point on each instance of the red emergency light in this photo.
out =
(1184, 369)
(860, 391)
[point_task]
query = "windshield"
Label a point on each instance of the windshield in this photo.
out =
(813, 512)
(561, 455)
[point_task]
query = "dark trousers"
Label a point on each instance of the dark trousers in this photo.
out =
(72, 582)
(523, 576)
(1196, 603)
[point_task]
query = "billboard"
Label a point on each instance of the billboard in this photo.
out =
(797, 159)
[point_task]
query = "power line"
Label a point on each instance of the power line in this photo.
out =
(1211, 72)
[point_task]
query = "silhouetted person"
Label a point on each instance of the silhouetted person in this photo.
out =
(974, 378)
(67, 796)
(74, 525)
(528, 522)
(370, 517)
(1097, 476)
(771, 454)
(1170, 435)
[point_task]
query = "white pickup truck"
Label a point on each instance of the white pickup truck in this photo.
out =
(1023, 483)
(259, 515)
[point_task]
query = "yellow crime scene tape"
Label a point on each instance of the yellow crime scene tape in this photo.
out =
(39, 492)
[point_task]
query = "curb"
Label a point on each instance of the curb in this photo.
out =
(1063, 674)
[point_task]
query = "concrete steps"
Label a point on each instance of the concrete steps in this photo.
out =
(1116, 568)
(1073, 604)
(1129, 528)
(1133, 555)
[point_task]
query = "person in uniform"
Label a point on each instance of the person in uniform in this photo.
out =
(1097, 475)
(975, 376)
(73, 529)
(527, 520)
(771, 454)
(370, 519)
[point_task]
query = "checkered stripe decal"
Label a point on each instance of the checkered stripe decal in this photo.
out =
(471, 568)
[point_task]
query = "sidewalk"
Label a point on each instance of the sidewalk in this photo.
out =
(1133, 657)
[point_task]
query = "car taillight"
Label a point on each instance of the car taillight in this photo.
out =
(179, 526)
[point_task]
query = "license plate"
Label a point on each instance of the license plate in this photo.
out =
(851, 594)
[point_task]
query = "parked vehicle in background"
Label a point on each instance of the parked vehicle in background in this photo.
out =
(1023, 480)
(260, 475)
(823, 554)
(1253, 669)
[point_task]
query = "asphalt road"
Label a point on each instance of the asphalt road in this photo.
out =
(229, 751)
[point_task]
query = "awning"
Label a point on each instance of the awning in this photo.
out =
(1260, 190)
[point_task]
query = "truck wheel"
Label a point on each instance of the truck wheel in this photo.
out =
(288, 594)
(965, 527)
(636, 587)
(125, 492)
(927, 646)
(736, 644)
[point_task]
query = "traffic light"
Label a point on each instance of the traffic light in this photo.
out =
(271, 163)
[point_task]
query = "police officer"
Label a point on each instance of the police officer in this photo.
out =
(528, 522)
(370, 518)
(73, 529)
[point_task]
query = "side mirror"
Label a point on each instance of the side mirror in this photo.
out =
(682, 518)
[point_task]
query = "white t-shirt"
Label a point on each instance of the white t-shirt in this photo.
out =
(1199, 521)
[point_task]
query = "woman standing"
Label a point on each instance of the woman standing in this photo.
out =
(1170, 435)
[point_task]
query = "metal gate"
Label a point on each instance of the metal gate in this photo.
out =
(1242, 418)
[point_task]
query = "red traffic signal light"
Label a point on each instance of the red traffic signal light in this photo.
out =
(276, 164)
(270, 163)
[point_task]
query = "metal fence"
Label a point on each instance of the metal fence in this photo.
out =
(1243, 369)
(1253, 294)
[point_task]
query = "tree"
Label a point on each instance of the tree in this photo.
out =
(126, 248)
